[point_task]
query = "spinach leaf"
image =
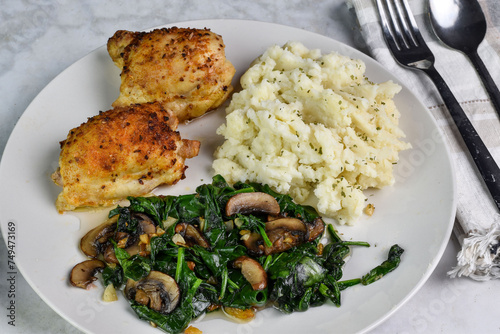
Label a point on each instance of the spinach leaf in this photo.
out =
(297, 275)
(240, 293)
(334, 255)
(310, 272)
(113, 276)
(213, 198)
(152, 206)
(205, 296)
(162, 244)
(125, 223)
(189, 208)
(134, 267)
(219, 258)
(392, 262)
(254, 224)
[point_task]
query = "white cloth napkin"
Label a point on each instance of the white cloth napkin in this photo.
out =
(477, 224)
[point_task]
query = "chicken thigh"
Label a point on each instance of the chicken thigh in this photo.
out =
(125, 151)
(183, 69)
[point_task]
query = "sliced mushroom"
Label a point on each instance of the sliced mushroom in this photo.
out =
(92, 243)
(291, 224)
(191, 235)
(283, 239)
(254, 202)
(110, 256)
(254, 243)
(252, 271)
(146, 224)
(158, 291)
(316, 229)
(133, 249)
(284, 233)
(131, 243)
(84, 273)
(123, 239)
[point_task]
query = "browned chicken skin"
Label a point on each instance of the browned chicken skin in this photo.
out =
(125, 151)
(184, 69)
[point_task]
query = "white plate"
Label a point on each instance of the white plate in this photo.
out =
(417, 212)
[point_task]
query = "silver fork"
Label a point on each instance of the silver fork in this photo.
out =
(408, 47)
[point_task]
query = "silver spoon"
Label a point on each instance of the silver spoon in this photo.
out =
(461, 25)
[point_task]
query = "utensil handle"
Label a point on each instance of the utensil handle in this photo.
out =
(484, 161)
(485, 76)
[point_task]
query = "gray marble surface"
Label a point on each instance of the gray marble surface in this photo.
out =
(39, 39)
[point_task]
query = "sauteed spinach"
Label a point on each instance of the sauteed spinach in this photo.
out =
(306, 275)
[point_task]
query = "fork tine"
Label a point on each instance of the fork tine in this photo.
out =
(408, 21)
(398, 23)
(402, 35)
(388, 26)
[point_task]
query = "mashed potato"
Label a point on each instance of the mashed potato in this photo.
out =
(312, 126)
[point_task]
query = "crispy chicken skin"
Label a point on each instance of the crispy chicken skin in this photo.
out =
(184, 69)
(125, 151)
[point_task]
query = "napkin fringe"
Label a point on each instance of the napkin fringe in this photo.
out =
(479, 258)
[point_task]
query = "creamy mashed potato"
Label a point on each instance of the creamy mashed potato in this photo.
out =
(314, 127)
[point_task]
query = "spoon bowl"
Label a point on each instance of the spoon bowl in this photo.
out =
(458, 24)
(461, 25)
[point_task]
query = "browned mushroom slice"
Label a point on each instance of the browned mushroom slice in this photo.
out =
(146, 224)
(316, 229)
(254, 243)
(123, 239)
(131, 242)
(254, 202)
(252, 271)
(84, 273)
(133, 249)
(92, 243)
(291, 224)
(110, 256)
(158, 291)
(284, 233)
(191, 235)
(281, 240)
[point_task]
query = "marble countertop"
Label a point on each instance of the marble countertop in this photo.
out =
(39, 39)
